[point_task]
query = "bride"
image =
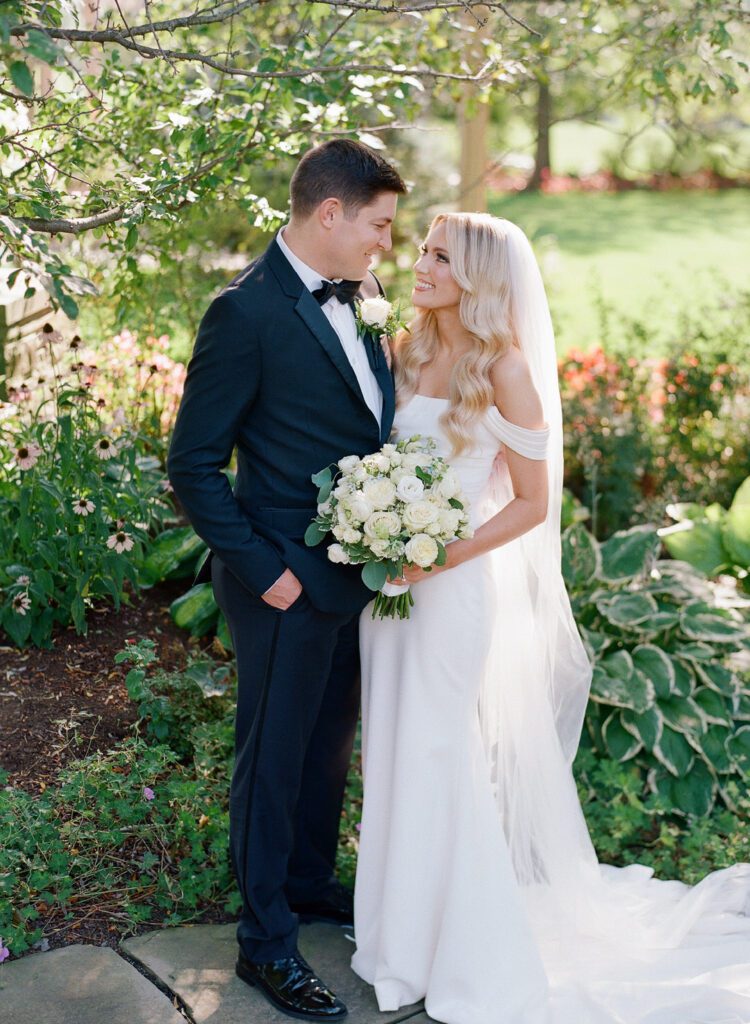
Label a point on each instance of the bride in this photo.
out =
(478, 888)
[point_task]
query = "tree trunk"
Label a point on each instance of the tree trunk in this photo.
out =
(542, 155)
(473, 188)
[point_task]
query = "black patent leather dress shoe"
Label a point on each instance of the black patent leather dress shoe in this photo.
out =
(336, 907)
(291, 985)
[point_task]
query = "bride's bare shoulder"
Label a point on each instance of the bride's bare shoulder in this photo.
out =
(515, 395)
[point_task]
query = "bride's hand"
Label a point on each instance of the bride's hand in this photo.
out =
(413, 574)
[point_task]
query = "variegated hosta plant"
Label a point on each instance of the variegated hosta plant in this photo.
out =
(670, 688)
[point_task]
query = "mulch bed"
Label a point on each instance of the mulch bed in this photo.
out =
(61, 704)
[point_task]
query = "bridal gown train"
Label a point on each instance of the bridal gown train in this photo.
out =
(452, 904)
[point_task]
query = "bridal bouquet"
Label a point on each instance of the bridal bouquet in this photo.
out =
(397, 507)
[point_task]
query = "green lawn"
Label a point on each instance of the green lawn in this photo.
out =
(649, 255)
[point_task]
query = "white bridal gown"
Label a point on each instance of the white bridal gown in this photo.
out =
(451, 903)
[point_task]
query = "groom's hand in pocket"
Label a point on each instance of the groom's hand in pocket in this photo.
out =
(284, 592)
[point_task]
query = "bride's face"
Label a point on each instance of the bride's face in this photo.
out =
(435, 287)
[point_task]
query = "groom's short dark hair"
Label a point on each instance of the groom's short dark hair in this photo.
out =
(345, 170)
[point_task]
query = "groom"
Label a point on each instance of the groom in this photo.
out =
(279, 372)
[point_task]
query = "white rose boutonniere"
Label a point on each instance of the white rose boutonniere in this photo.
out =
(377, 319)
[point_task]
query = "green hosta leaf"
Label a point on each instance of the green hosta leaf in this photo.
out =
(741, 707)
(646, 725)
(713, 707)
(629, 553)
(739, 749)
(632, 692)
(619, 664)
(222, 633)
(196, 611)
(627, 610)
(682, 714)
(581, 560)
(658, 624)
(656, 666)
(595, 642)
(700, 544)
(682, 511)
(674, 752)
(713, 744)
(701, 622)
(173, 553)
(620, 743)
(694, 793)
(697, 652)
(717, 677)
(737, 525)
(684, 678)
(374, 575)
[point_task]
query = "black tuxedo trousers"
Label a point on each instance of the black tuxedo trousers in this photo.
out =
(269, 377)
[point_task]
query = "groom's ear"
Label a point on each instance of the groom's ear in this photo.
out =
(329, 212)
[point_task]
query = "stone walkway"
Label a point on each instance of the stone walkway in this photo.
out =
(188, 975)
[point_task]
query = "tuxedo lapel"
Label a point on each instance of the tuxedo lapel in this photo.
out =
(384, 377)
(308, 309)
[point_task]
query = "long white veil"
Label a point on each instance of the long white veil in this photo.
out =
(591, 921)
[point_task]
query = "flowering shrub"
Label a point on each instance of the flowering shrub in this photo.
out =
(82, 487)
(642, 433)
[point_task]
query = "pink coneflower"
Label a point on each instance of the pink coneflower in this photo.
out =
(4, 952)
(105, 448)
(21, 603)
(19, 394)
(27, 455)
(120, 541)
(83, 506)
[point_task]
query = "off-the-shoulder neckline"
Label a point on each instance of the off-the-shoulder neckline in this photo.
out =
(491, 410)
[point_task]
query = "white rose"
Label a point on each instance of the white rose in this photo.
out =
(348, 463)
(448, 486)
(410, 488)
(420, 514)
(434, 529)
(383, 525)
(389, 450)
(374, 312)
(338, 531)
(379, 493)
(351, 536)
(422, 550)
(357, 507)
(380, 463)
(449, 521)
(360, 474)
(411, 460)
(380, 548)
(337, 554)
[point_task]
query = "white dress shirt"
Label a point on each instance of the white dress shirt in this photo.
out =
(341, 318)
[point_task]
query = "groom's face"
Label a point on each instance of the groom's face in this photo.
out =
(356, 241)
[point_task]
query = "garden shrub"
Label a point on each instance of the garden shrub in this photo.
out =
(83, 489)
(667, 692)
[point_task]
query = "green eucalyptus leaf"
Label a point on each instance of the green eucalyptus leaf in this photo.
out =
(374, 575)
(315, 534)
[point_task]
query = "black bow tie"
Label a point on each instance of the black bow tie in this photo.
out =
(345, 291)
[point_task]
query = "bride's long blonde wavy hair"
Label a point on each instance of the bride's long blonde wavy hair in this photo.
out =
(477, 251)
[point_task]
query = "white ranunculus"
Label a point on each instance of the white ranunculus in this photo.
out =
(410, 488)
(338, 531)
(434, 529)
(389, 450)
(380, 463)
(360, 474)
(348, 463)
(448, 487)
(411, 460)
(374, 312)
(419, 514)
(351, 536)
(380, 493)
(383, 525)
(325, 508)
(357, 507)
(422, 550)
(337, 554)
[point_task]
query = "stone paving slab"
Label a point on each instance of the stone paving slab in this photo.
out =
(80, 985)
(198, 964)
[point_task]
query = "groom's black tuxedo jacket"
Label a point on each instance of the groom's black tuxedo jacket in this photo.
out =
(269, 375)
